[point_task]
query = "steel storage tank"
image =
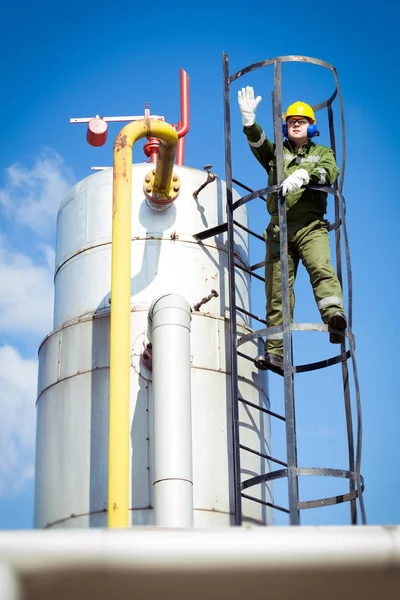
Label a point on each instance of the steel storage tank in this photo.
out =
(73, 385)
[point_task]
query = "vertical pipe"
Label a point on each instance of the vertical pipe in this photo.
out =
(291, 442)
(119, 421)
(232, 300)
(184, 123)
(119, 415)
(169, 320)
(185, 119)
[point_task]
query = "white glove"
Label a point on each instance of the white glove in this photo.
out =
(248, 105)
(295, 181)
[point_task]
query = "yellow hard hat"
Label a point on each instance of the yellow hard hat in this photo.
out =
(300, 109)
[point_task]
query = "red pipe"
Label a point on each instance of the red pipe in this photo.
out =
(184, 127)
(180, 148)
(184, 123)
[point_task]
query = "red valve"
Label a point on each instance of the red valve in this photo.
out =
(97, 132)
(151, 149)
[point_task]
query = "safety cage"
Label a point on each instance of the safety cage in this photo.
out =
(291, 470)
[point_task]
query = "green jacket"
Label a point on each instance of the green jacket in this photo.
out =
(305, 205)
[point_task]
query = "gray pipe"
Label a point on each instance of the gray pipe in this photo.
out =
(169, 333)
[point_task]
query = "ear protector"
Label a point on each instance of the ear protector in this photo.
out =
(311, 130)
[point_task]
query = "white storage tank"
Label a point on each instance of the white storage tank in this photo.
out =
(73, 387)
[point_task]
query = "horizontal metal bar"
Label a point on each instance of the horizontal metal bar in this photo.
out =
(249, 272)
(267, 331)
(264, 478)
(270, 504)
(322, 363)
(257, 265)
(249, 314)
(258, 193)
(329, 501)
(259, 237)
(267, 456)
(262, 409)
(207, 233)
(328, 472)
(247, 188)
(271, 61)
(116, 119)
(246, 356)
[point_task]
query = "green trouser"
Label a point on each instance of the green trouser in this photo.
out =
(310, 244)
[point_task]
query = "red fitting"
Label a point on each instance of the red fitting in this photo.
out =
(96, 134)
(151, 149)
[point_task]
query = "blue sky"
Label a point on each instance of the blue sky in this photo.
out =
(70, 59)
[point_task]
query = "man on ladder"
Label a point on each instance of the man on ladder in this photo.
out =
(305, 163)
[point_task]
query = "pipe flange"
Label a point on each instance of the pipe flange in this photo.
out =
(160, 200)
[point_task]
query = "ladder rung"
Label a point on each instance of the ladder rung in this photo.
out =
(257, 265)
(207, 233)
(259, 237)
(275, 460)
(251, 273)
(249, 314)
(262, 409)
(270, 504)
(246, 356)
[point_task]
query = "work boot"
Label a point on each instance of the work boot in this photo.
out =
(337, 321)
(269, 361)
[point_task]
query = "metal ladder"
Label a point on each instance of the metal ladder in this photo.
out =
(291, 471)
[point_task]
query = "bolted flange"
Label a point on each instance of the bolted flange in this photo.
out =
(160, 199)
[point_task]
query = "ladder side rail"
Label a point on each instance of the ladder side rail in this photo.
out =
(232, 299)
(355, 375)
(345, 368)
(288, 377)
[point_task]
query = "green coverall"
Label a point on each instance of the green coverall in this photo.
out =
(308, 238)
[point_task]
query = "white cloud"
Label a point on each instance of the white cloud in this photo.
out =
(18, 382)
(32, 196)
(26, 293)
(49, 255)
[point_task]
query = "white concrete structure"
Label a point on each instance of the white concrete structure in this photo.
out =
(285, 563)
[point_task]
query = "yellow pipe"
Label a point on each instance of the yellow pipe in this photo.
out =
(165, 164)
(119, 415)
